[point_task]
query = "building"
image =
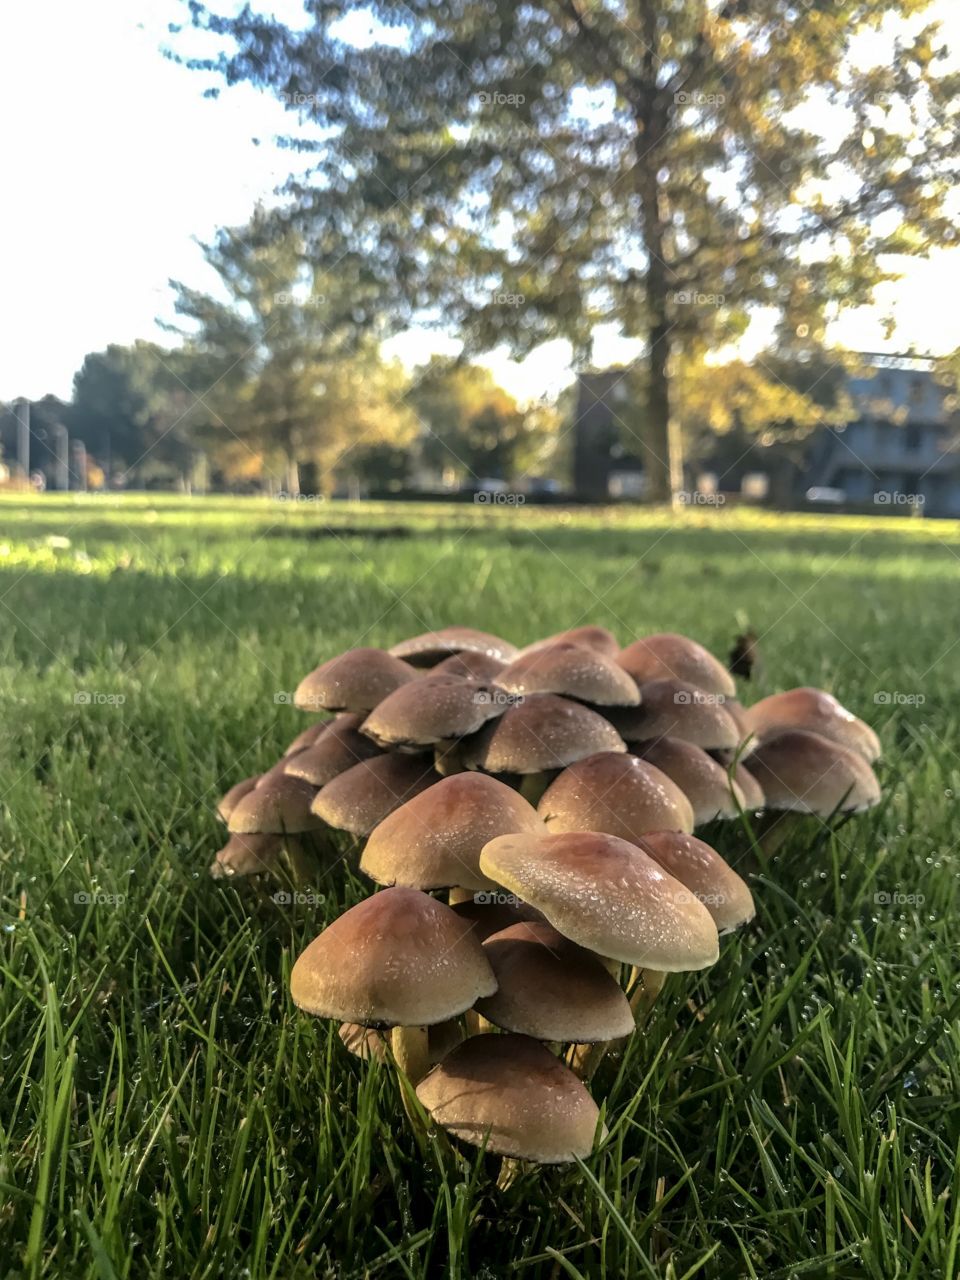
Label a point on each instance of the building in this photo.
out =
(901, 449)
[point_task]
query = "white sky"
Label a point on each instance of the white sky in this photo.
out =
(114, 162)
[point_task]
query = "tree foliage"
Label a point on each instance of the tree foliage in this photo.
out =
(527, 171)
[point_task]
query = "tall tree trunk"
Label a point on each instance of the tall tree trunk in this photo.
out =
(663, 453)
(293, 476)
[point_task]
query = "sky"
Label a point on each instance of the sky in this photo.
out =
(115, 165)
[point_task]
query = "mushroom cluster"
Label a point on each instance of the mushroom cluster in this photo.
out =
(529, 816)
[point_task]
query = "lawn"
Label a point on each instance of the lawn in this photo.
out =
(166, 1112)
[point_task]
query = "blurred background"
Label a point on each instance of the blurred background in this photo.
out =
(695, 251)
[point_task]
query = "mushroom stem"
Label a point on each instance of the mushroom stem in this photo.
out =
(411, 1052)
(459, 895)
(585, 1058)
(774, 830)
(301, 866)
(647, 984)
(477, 1024)
(510, 1170)
(533, 785)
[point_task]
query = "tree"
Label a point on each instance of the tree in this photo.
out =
(132, 410)
(523, 171)
(284, 370)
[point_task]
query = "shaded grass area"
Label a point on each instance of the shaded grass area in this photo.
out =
(163, 1109)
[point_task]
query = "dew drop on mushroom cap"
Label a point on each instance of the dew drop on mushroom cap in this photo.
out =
(704, 782)
(541, 732)
(701, 869)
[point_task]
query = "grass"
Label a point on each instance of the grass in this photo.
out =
(165, 1112)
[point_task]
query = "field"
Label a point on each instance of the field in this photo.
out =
(166, 1112)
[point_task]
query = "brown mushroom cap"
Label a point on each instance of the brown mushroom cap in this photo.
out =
(433, 841)
(355, 681)
(339, 749)
(705, 874)
(608, 895)
(619, 794)
(807, 773)
(278, 805)
(247, 855)
(590, 637)
(230, 799)
(308, 737)
(705, 783)
(436, 709)
(357, 799)
(551, 989)
(669, 656)
(511, 1095)
(426, 650)
(471, 666)
(753, 797)
(671, 709)
(572, 671)
(399, 958)
(541, 732)
(818, 711)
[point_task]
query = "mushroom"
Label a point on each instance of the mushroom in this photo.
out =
(817, 711)
(362, 796)
(572, 671)
(599, 639)
(515, 1098)
(619, 794)
(675, 657)
(232, 798)
(705, 783)
(541, 733)
(339, 749)
(399, 959)
(308, 737)
(355, 681)
(437, 709)
(672, 709)
(753, 797)
(703, 873)
(808, 773)
(552, 989)
(607, 895)
(433, 841)
(247, 855)
(472, 666)
(492, 911)
(278, 805)
(428, 649)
